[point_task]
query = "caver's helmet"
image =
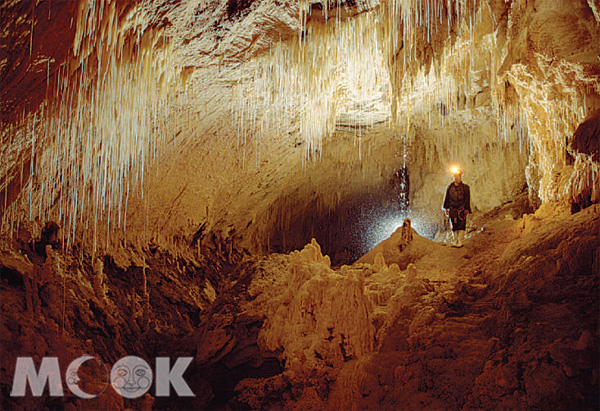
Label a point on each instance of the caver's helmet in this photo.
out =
(455, 170)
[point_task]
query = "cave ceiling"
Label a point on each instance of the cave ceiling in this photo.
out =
(161, 116)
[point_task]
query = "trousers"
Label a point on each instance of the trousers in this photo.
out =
(458, 218)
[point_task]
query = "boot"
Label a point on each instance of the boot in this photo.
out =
(460, 238)
(454, 239)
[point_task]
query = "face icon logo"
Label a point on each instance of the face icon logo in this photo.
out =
(73, 378)
(131, 377)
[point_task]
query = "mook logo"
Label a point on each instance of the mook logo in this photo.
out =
(131, 377)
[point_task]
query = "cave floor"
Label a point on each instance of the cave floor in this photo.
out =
(509, 321)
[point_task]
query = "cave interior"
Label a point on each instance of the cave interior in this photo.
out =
(257, 185)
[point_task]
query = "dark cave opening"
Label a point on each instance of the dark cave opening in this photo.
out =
(223, 380)
(356, 225)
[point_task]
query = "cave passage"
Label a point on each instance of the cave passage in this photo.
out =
(357, 224)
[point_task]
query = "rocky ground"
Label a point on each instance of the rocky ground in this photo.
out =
(509, 321)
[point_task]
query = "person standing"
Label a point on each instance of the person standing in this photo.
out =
(457, 205)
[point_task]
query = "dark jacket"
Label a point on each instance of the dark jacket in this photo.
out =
(457, 197)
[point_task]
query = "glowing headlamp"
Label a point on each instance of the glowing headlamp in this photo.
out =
(455, 170)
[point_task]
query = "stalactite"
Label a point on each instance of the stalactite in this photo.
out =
(100, 128)
(145, 300)
(98, 281)
(124, 92)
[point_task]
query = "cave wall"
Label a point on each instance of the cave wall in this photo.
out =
(553, 66)
(537, 81)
